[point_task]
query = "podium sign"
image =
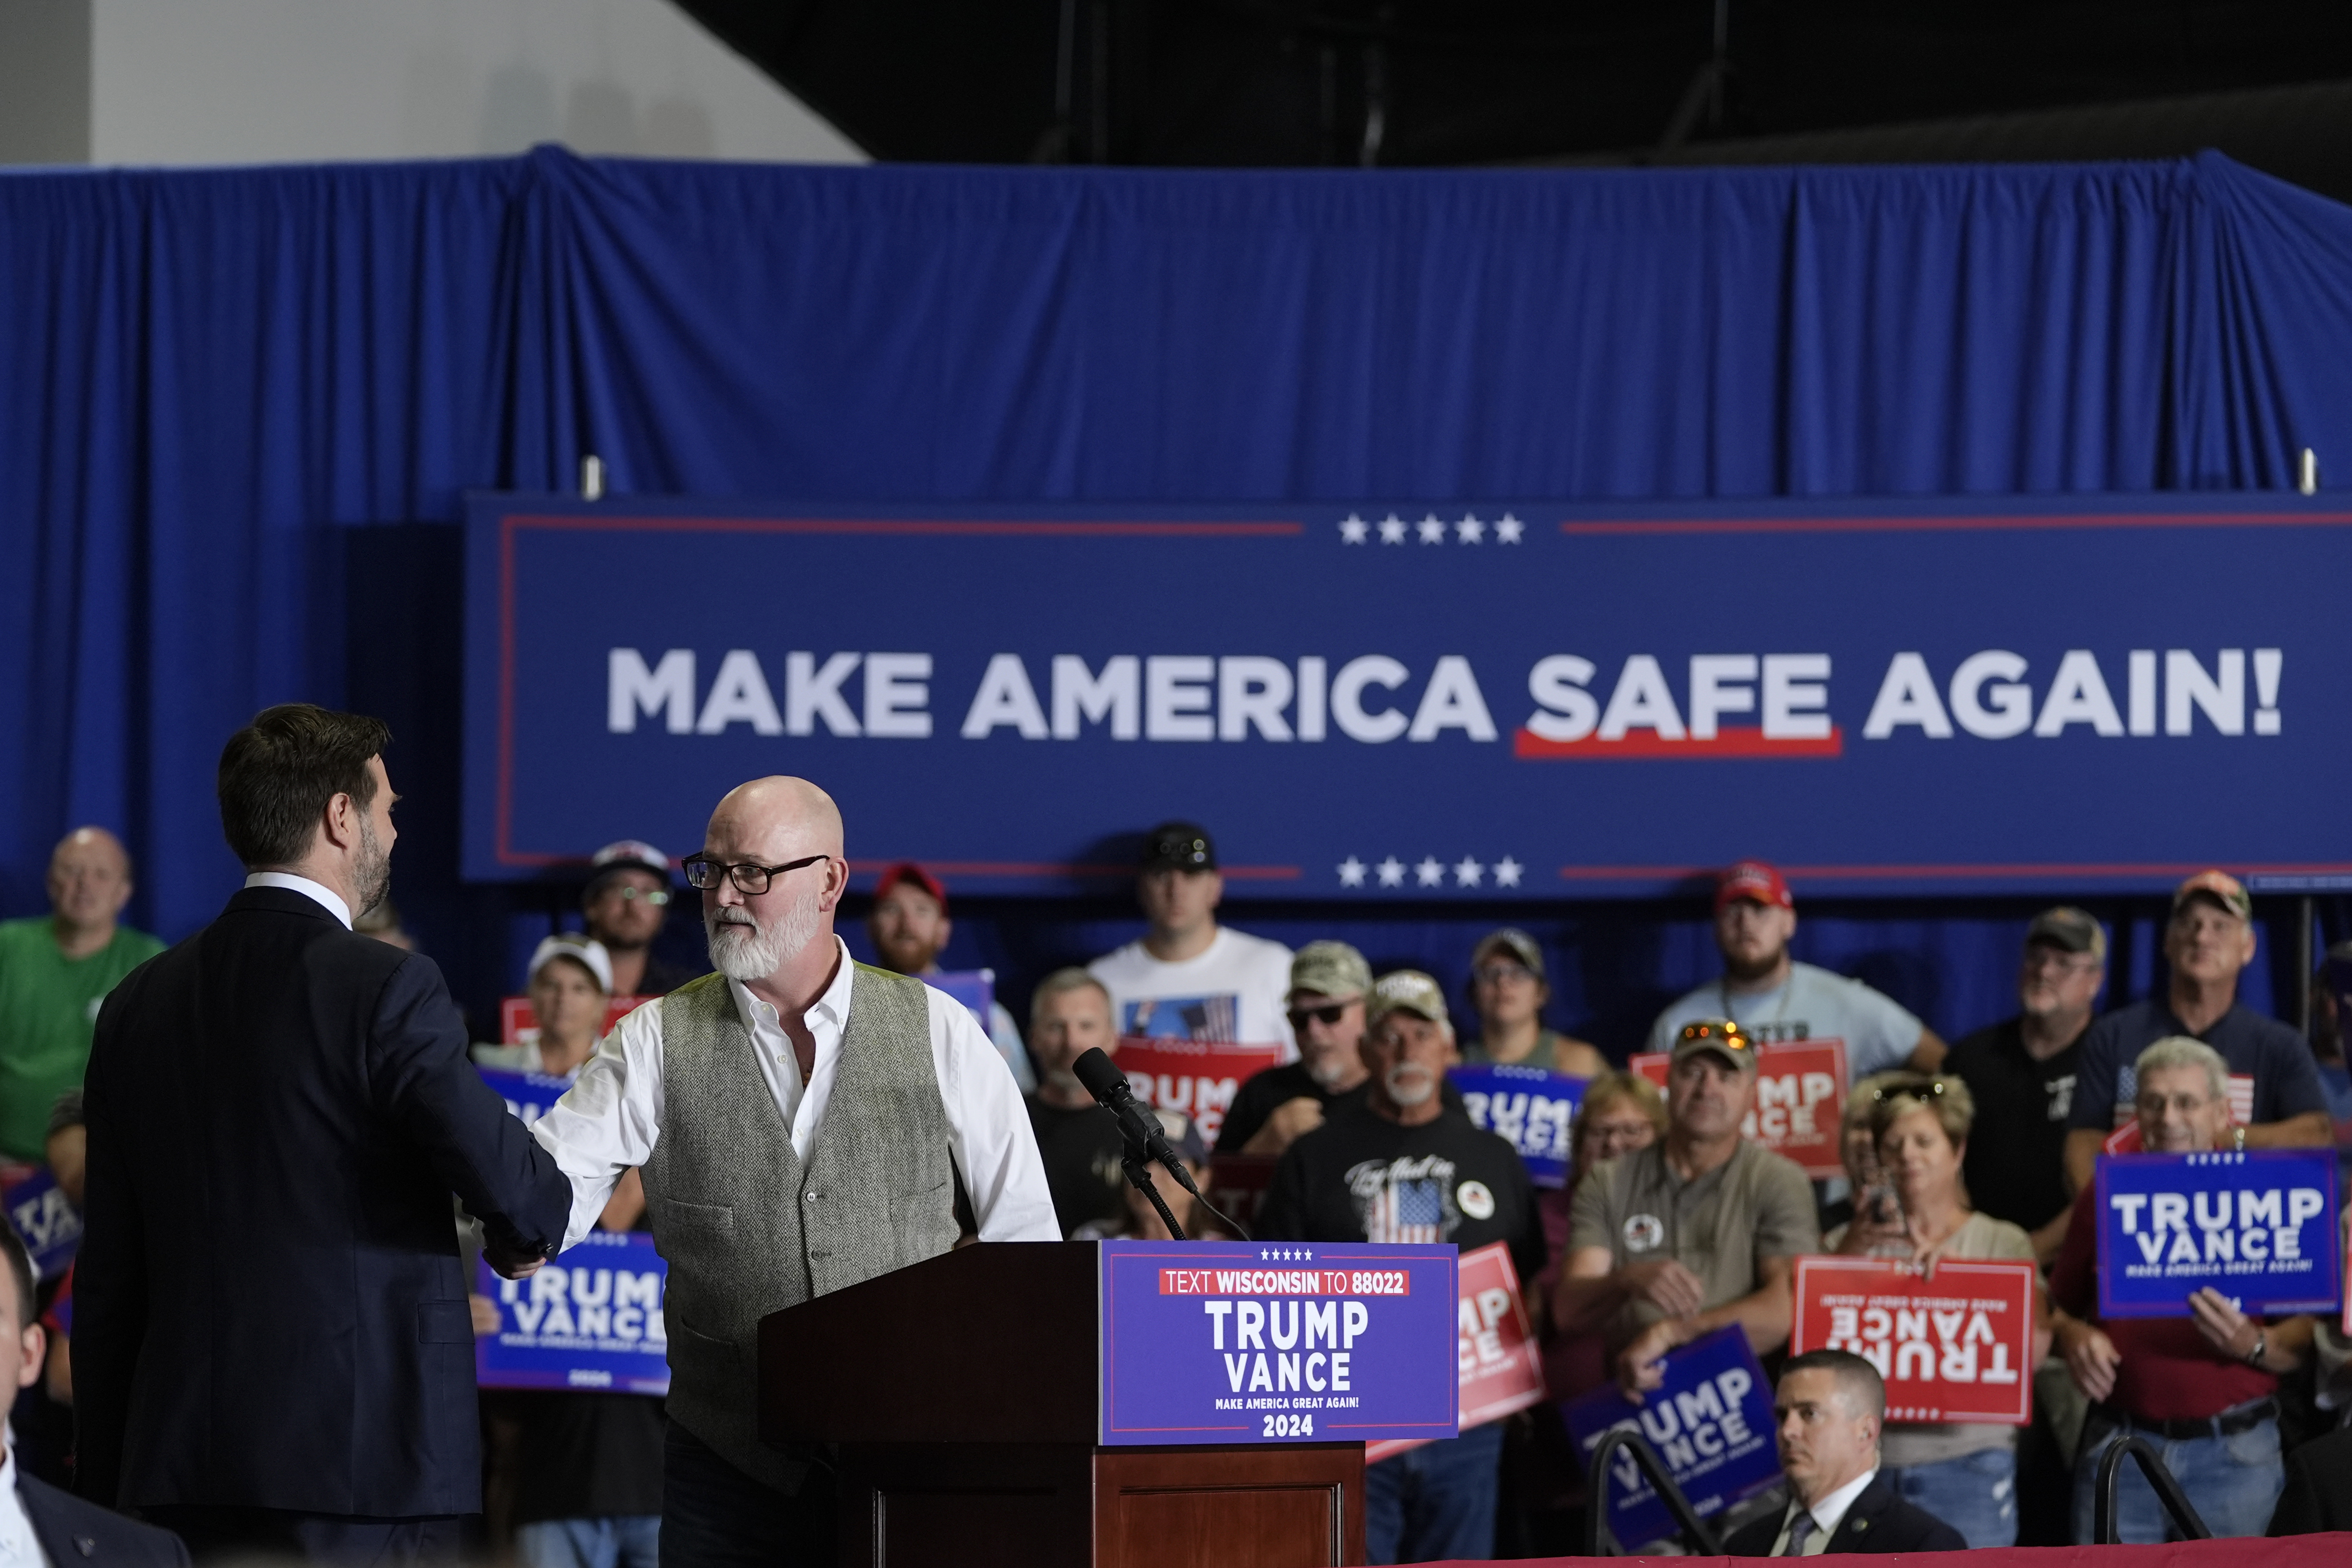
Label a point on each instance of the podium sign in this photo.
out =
(2257, 1224)
(1711, 1423)
(1214, 1342)
(591, 1319)
(1958, 1347)
(1501, 1365)
(1535, 1108)
(1800, 1095)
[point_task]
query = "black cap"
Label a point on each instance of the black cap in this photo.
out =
(1180, 846)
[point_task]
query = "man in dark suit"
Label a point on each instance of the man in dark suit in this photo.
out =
(32, 1512)
(1828, 1411)
(273, 1350)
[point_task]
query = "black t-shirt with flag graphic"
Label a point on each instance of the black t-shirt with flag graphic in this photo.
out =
(1361, 1177)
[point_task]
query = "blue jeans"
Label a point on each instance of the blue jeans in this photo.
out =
(1976, 1494)
(1434, 1501)
(624, 1540)
(2233, 1482)
(714, 1516)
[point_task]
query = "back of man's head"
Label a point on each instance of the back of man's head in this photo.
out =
(1864, 1390)
(277, 774)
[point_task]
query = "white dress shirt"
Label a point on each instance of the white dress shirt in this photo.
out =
(326, 897)
(610, 1117)
(1828, 1514)
(19, 1547)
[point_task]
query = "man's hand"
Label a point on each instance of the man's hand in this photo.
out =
(1665, 1285)
(2091, 1357)
(514, 1264)
(486, 1314)
(2224, 1326)
(1641, 1366)
(1291, 1121)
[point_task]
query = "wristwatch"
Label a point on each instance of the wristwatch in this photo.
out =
(2261, 1343)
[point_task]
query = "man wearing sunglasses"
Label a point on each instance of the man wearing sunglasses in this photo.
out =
(1328, 982)
(626, 902)
(803, 1123)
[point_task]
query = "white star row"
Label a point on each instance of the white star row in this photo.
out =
(1285, 1254)
(1469, 529)
(1430, 872)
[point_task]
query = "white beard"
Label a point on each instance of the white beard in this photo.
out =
(740, 949)
(1410, 1085)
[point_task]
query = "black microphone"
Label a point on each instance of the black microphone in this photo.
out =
(1101, 1077)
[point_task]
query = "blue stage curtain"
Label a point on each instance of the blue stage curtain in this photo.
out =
(216, 382)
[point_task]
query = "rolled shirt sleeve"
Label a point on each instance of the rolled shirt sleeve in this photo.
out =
(610, 1117)
(988, 1129)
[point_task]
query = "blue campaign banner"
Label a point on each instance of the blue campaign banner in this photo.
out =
(1711, 1423)
(1278, 1343)
(528, 1095)
(48, 1225)
(1535, 1108)
(975, 988)
(591, 1319)
(1489, 699)
(2257, 1224)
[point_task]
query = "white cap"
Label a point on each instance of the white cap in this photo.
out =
(581, 949)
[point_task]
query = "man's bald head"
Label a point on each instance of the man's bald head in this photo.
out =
(89, 881)
(774, 820)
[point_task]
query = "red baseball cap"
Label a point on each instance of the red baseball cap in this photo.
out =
(1753, 879)
(908, 871)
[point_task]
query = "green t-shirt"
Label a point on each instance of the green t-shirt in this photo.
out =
(49, 1007)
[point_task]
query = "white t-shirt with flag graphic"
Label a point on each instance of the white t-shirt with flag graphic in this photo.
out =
(1237, 991)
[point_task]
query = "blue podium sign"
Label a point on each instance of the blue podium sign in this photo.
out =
(591, 1319)
(1535, 1108)
(1711, 1423)
(528, 1095)
(2256, 1224)
(1267, 1342)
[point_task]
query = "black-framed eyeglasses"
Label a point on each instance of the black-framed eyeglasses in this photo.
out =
(750, 879)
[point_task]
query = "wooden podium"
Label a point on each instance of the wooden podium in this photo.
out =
(964, 1393)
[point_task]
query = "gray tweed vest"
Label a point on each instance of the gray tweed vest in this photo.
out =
(748, 1229)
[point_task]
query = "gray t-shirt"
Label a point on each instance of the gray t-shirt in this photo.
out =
(1719, 1225)
(1812, 1004)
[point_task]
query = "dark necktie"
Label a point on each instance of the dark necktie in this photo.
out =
(1801, 1530)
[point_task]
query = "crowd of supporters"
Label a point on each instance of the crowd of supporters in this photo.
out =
(1671, 1224)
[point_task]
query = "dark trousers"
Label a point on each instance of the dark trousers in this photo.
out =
(714, 1516)
(241, 1534)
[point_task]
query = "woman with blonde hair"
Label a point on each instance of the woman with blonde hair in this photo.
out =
(1963, 1472)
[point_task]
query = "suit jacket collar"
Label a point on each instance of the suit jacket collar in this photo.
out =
(279, 901)
(57, 1540)
(1862, 1515)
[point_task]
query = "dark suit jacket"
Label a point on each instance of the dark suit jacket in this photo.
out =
(2319, 1495)
(1878, 1522)
(268, 1307)
(73, 1531)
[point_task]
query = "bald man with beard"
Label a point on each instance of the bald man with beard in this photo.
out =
(803, 1122)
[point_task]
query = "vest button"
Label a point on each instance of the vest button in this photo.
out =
(811, 1196)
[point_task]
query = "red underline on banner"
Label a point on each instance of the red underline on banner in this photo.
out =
(1069, 868)
(2053, 869)
(1733, 742)
(901, 525)
(1960, 524)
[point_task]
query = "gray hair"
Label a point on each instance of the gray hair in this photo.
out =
(1060, 981)
(2180, 1051)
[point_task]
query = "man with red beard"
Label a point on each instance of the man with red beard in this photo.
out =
(803, 1123)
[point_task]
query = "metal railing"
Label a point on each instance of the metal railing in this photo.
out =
(1694, 1530)
(2104, 1523)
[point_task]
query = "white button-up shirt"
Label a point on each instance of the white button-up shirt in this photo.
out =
(1827, 1515)
(326, 898)
(610, 1116)
(19, 1547)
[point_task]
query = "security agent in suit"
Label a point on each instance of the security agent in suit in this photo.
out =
(36, 1520)
(273, 1350)
(1828, 1412)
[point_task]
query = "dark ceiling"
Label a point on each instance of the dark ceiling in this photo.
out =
(1407, 82)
